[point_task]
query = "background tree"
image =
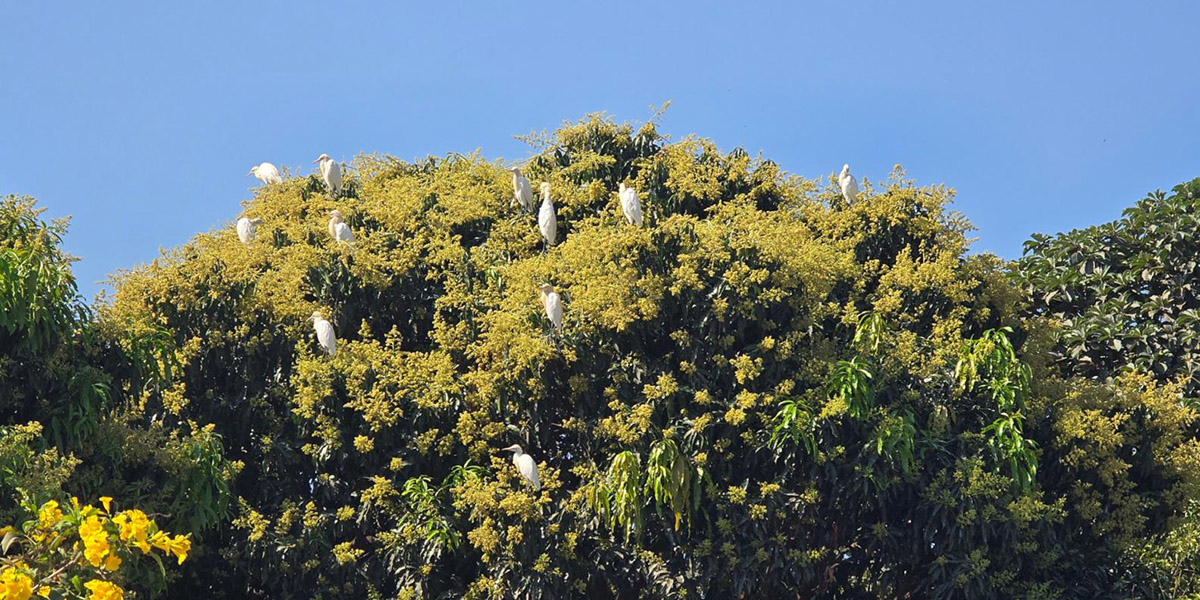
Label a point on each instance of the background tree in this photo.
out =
(1127, 293)
(1122, 297)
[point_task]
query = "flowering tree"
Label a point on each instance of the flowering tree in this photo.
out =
(759, 393)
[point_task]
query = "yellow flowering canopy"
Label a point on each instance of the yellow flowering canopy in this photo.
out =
(762, 392)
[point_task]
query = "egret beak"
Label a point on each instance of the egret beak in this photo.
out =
(512, 448)
(251, 172)
(316, 161)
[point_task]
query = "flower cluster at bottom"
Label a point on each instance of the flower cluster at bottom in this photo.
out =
(77, 553)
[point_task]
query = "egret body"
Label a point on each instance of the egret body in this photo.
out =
(325, 335)
(266, 173)
(630, 205)
(849, 185)
(331, 173)
(525, 465)
(246, 229)
(553, 304)
(522, 192)
(338, 229)
(547, 221)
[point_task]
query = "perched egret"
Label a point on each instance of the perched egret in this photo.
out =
(849, 185)
(630, 205)
(245, 229)
(331, 172)
(525, 465)
(547, 222)
(266, 173)
(325, 335)
(338, 228)
(521, 191)
(553, 303)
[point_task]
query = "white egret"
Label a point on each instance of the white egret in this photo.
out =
(525, 465)
(630, 205)
(522, 192)
(266, 173)
(849, 185)
(338, 228)
(325, 335)
(553, 304)
(246, 228)
(547, 221)
(331, 172)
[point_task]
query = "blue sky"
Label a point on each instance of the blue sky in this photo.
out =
(141, 119)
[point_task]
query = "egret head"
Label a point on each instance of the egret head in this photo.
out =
(621, 187)
(515, 448)
(321, 158)
(336, 215)
(845, 170)
(545, 187)
(316, 316)
(545, 288)
(256, 221)
(253, 171)
(516, 171)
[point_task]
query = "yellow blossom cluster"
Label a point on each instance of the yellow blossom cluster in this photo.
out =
(101, 539)
(15, 585)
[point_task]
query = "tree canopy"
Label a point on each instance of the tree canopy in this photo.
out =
(1127, 293)
(762, 392)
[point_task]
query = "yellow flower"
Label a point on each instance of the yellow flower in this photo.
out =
(44, 591)
(15, 585)
(134, 528)
(106, 501)
(104, 590)
(95, 540)
(178, 545)
(49, 515)
(113, 562)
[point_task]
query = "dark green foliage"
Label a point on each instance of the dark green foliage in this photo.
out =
(1127, 293)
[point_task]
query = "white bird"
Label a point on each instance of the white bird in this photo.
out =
(325, 335)
(266, 173)
(630, 205)
(525, 465)
(547, 222)
(246, 228)
(522, 192)
(338, 228)
(849, 185)
(553, 304)
(331, 172)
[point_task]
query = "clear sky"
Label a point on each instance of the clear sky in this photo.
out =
(141, 119)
